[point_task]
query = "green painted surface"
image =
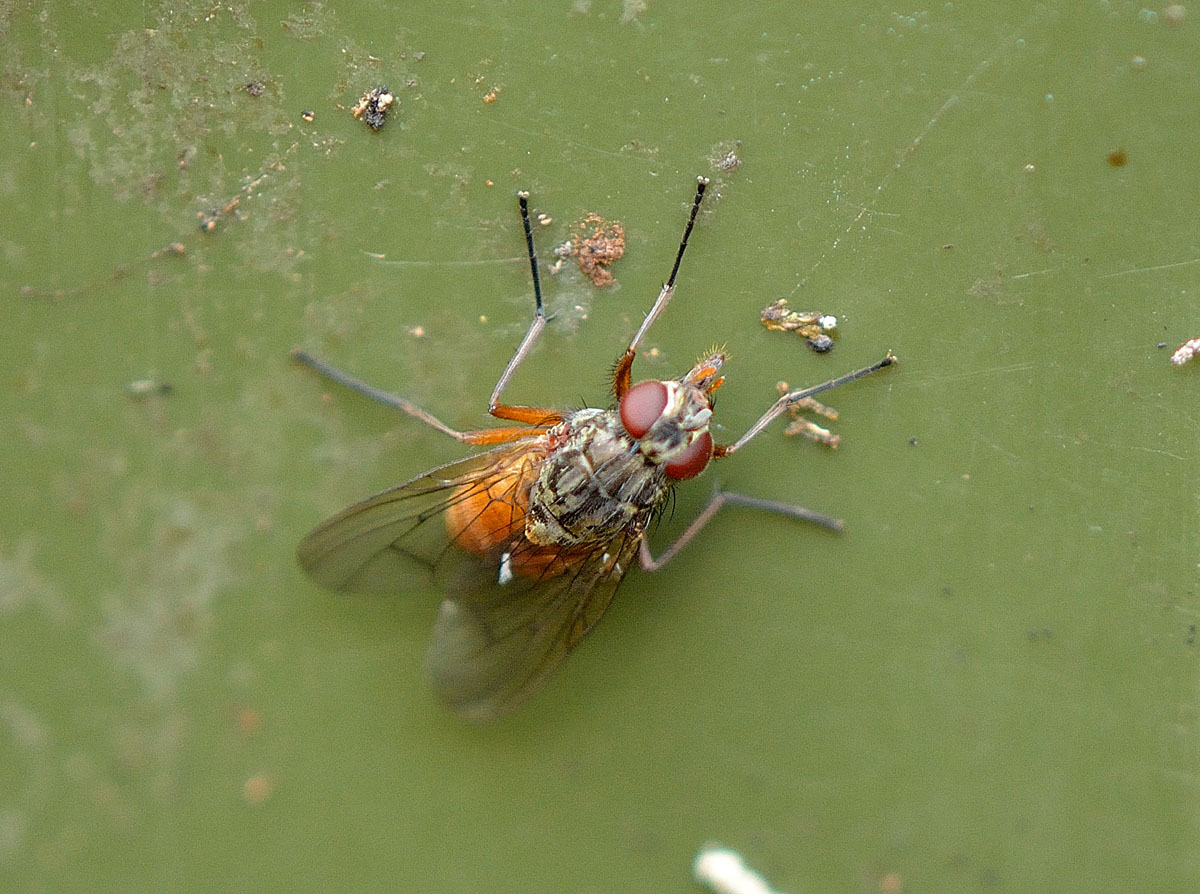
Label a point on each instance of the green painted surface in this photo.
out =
(988, 683)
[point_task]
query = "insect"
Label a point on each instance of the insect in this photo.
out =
(529, 539)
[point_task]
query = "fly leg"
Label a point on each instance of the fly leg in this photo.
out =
(722, 498)
(622, 374)
(792, 397)
(532, 415)
(540, 419)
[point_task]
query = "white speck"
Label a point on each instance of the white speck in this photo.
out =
(506, 572)
(725, 872)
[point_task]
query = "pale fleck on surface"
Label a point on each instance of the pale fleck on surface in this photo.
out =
(22, 585)
(723, 871)
(258, 788)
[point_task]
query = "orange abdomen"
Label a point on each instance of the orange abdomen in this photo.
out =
(480, 522)
(488, 516)
(488, 513)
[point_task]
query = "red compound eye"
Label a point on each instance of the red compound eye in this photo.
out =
(641, 406)
(693, 460)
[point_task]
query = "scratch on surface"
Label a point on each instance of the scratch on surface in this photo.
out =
(551, 135)
(951, 101)
(1154, 269)
(1068, 484)
(1034, 273)
(398, 262)
(984, 372)
(1150, 450)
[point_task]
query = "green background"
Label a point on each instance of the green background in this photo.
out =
(989, 682)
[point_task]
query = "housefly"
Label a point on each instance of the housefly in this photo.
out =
(529, 539)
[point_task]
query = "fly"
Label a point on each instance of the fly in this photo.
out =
(529, 539)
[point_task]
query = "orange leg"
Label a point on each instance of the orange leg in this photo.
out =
(496, 408)
(623, 372)
(538, 417)
(489, 436)
(535, 419)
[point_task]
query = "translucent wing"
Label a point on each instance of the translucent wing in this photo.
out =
(512, 609)
(495, 644)
(379, 544)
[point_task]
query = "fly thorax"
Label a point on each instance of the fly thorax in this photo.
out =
(592, 485)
